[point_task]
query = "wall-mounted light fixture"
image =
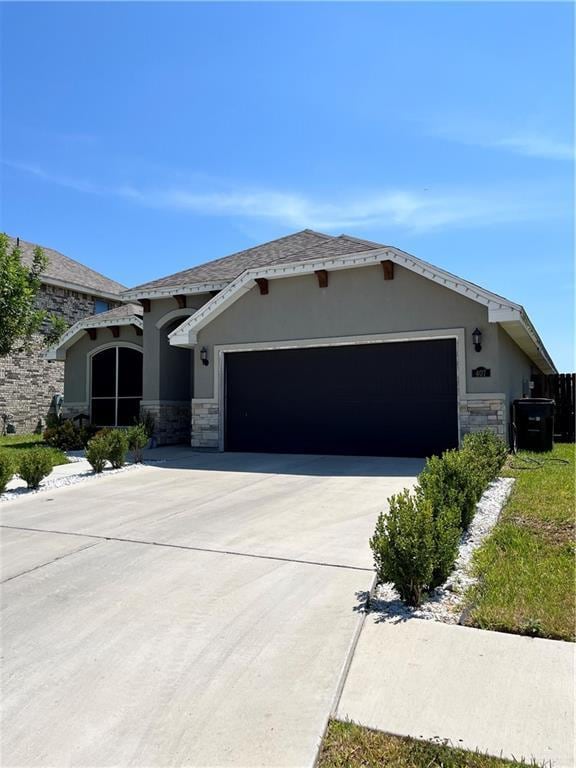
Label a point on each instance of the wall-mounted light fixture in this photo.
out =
(204, 356)
(477, 339)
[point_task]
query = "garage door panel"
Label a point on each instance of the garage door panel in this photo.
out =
(378, 399)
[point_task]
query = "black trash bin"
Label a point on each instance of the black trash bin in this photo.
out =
(533, 419)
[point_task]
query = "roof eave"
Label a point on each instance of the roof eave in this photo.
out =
(76, 331)
(499, 309)
(81, 288)
(518, 326)
(188, 289)
(245, 282)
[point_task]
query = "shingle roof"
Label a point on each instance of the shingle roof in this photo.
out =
(62, 269)
(123, 312)
(229, 267)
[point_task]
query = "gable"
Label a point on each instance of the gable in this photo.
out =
(510, 315)
(356, 301)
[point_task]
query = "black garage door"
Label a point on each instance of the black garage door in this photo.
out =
(393, 399)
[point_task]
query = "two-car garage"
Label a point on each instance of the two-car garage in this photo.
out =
(380, 399)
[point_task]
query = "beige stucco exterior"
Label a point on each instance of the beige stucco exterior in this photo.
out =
(77, 374)
(358, 305)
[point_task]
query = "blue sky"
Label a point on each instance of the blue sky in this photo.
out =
(143, 138)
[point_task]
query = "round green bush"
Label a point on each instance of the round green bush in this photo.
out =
(34, 466)
(404, 548)
(97, 453)
(6, 471)
(117, 444)
(137, 439)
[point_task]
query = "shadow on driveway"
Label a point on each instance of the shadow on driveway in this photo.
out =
(182, 457)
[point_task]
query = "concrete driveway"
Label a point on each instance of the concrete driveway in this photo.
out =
(197, 612)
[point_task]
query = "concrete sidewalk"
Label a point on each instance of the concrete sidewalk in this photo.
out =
(506, 695)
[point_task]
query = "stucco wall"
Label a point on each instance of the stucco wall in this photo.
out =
(75, 379)
(158, 378)
(28, 381)
(356, 302)
(516, 370)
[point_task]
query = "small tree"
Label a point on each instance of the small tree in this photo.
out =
(19, 287)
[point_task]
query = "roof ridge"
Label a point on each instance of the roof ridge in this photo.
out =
(235, 255)
(58, 261)
(261, 245)
(362, 240)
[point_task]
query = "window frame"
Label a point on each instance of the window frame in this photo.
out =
(116, 398)
(101, 302)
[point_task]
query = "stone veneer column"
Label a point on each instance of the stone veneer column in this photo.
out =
(205, 423)
(483, 412)
(172, 420)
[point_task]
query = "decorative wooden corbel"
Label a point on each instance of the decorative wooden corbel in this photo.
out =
(138, 330)
(115, 331)
(388, 267)
(93, 333)
(181, 300)
(145, 304)
(262, 283)
(322, 275)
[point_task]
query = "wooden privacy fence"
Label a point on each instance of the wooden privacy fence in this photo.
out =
(560, 387)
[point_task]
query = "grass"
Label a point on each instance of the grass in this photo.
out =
(347, 745)
(16, 445)
(526, 568)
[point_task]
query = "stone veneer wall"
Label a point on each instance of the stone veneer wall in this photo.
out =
(28, 382)
(172, 420)
(476, 414)
(204, 424)
(483, 412)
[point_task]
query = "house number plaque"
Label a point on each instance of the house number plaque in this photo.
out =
(480, 372)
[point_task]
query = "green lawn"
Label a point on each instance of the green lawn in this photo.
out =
(347, 745)
(526, 568)
(16, 445)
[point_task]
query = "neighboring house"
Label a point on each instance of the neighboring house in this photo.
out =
(28, 382)
(309, 344)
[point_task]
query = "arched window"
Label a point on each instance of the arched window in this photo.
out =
(116, 387)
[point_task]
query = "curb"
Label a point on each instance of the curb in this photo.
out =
(346, 666)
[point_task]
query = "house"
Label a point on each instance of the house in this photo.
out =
(28, 382)
(310, 344)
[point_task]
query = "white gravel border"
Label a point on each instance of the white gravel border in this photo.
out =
(446, 602)
(61, 476)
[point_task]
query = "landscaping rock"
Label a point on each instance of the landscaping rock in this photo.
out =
(445, 602)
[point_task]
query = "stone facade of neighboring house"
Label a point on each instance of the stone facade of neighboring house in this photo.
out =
(29, 382)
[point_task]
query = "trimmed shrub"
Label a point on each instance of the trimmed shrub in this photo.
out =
(488, 452)
(447, 535)
(6, 471)
(403, 546)
(416, 544)
(117, 447)
(65, 436)
(137, 440)
(68, 436)
(97, 453)
(148, 422)
(451, 481)
(34, 466)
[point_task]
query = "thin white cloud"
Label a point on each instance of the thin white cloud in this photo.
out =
(395, 208)
(482, 133)
(537, 146)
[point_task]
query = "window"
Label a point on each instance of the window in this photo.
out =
(116, 387)
(101, 306)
